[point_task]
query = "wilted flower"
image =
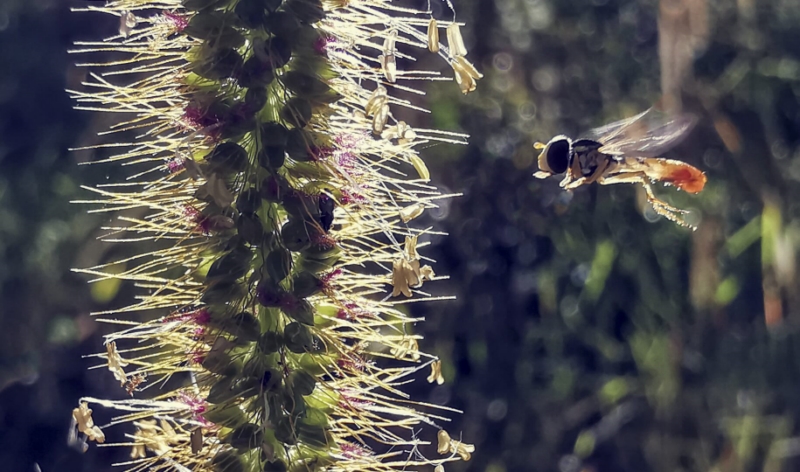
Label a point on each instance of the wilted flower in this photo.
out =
(276, 181)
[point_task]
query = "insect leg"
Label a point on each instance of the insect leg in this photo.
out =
(662, 208)
(570, 181)
(596, 175)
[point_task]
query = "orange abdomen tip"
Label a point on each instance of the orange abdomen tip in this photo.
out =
(687, 178)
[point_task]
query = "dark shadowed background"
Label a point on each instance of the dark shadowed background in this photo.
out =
(588, 334)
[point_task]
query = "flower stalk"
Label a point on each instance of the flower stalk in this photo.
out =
(277, 189)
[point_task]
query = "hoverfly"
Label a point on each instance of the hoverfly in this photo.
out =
(621, 152)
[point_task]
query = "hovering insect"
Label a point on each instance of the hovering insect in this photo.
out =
(621, 152)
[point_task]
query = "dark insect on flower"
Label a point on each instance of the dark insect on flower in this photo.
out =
(326, 207)
(133, 383)
(621, 152)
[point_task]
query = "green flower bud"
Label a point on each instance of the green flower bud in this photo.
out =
(218, 63)
(282, 24)
(270, 342)
(273, 134)
(312, 435)
(298, 338)
(250, 229)
(214, 26)
(227, 461)
(227, 158)
(222, 292)
(246, 436)
(242, 325)
(275, 52)
(296, 235)
(256, 73)
(275, 466)
(278, 264)
(306, 284)
(299, 144)
(221, 390)
(304, 84)
(226, 415)
(302, 382)
(307, 11)
(302, 311)
(269, 294)
(297, 112)
(219, 363)
(229, 267)
(272, 157)
(251, 13)
(284, 432)
(249, 201)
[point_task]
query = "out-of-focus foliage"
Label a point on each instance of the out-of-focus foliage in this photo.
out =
(44, 322)
(587, 334)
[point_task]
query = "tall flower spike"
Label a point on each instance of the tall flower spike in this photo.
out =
(276, 194)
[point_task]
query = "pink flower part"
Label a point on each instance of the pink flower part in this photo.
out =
(197, 356)
(349, 401)
(178, 22)
(353, 362)
(194, 215)
(330, 275)
(320, 153)
(175, 164)
(346, 160)
(199, 316)
(196, 404)
(350, 141)
(325, 44)
(350, 197)
(351, 311)
(353, 451)
(195, 119)
(199, 333)
(323, 241)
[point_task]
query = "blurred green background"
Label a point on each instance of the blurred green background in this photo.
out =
(588, 334)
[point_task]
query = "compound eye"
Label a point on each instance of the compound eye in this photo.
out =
(557, 154)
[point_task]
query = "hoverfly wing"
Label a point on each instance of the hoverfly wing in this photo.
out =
(610, 131)
(647, 134)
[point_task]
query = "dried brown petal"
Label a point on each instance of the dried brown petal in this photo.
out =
(426, 273)
(433, 36)
(85, 423)
(389, 42)
(116, 363)
(421, 168)
(444, 442)
(455, 41)
(436, 376)
(389, 66)
(465, 81)
(410, 212)
(463, 450)
(127, 21)
(376, 101)
(411, 248)
(469, 68)
(408, 348)
(403, 277)
(380, 119)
